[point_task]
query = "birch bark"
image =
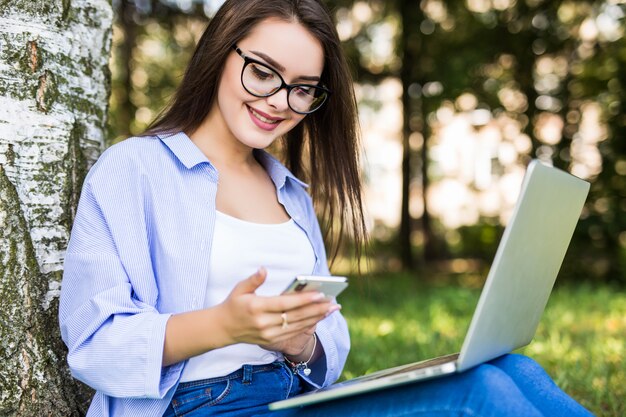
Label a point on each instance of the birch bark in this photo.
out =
(54, 87)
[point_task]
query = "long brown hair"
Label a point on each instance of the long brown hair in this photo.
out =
(324, 148)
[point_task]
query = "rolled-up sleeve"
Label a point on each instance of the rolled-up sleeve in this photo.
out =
(332, 332)
(107, 313)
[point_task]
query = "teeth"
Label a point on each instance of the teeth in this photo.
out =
(263, 119)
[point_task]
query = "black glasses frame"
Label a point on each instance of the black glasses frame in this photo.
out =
(247, 60)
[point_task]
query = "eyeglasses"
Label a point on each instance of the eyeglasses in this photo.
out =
(261, 80)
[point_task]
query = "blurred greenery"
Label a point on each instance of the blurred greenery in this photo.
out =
(531, 61)
(396, 319)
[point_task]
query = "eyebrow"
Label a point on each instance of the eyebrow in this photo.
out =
(280, 68)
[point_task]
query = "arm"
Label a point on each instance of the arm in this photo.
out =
(243, 317)
(332, 332)
(334, 339)
(113, 332)
(118, 343)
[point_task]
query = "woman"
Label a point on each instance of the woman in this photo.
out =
(155, 310)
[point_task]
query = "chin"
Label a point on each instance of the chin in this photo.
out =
(258, 141)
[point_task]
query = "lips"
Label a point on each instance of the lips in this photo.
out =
(264, 117)
(263, 120)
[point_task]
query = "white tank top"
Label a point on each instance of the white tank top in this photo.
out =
(239, 249)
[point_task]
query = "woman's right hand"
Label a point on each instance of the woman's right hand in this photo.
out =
(245, 317)
(249, 318)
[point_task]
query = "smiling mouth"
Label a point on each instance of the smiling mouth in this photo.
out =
(262, 118)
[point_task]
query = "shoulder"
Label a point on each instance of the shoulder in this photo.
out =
(131, 156)
(131, 150)
(125, 168)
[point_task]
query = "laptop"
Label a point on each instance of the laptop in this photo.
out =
(515, 293)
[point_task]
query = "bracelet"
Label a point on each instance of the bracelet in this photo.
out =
(304, 365)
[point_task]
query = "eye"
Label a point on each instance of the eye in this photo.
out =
(304, 90)
(262, 73)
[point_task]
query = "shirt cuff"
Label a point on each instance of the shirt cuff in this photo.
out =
(160, 379)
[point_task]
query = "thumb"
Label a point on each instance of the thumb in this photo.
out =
(250, 284)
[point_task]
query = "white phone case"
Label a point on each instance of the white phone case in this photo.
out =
(331, 286)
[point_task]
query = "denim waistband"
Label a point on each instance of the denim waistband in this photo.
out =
(244, 373)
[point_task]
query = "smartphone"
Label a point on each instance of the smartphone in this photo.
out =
(330, 286)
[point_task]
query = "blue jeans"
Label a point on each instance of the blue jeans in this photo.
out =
(512, 385)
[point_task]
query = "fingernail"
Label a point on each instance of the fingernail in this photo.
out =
(333, 308)
(318, 296)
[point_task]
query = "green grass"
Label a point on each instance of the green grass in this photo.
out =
(396, 319)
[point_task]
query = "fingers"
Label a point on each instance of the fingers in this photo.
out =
(249, 318)
(310, 330)
(314, 312)
(277, 332)
(300, 321)
(250, 284)
(286, 302)
(276, 304)
(294, 311)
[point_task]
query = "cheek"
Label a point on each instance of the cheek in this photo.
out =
(298, 118)
(230, 88)
(230, 98)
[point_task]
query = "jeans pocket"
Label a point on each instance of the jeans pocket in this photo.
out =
(189, 401)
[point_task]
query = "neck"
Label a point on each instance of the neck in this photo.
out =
(219, 145)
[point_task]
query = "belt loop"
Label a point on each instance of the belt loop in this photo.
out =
(247, 374)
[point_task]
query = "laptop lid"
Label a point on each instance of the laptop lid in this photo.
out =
(526, 264)
(517, 288)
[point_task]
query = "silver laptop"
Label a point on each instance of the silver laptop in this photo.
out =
(515, 293)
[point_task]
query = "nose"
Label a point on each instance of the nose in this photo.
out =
(279, 100)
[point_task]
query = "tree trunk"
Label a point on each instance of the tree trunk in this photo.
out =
(406, 77)
(129, 28)
(54, 86)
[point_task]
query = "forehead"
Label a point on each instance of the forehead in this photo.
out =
(289, 44)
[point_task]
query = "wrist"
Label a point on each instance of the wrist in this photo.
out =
(303, 354)
(193, 333)
(222, 319)
(298, 363)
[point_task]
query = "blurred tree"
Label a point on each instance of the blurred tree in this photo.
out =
(412, 78)
(564, 60)
(410, 65)
(567, 61)
(598, 81)
(128, 32)
(152, 41)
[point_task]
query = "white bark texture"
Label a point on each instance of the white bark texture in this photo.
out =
(54, 86)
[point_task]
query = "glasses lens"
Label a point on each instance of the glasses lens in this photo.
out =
(260, 80)
(306, 98)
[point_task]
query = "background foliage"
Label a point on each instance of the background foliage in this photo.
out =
(537, 63)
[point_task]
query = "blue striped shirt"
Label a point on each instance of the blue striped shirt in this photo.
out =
(139, 252)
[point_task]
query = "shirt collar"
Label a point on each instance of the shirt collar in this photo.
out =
(184, 149)
(277, 171)
(190, 155)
